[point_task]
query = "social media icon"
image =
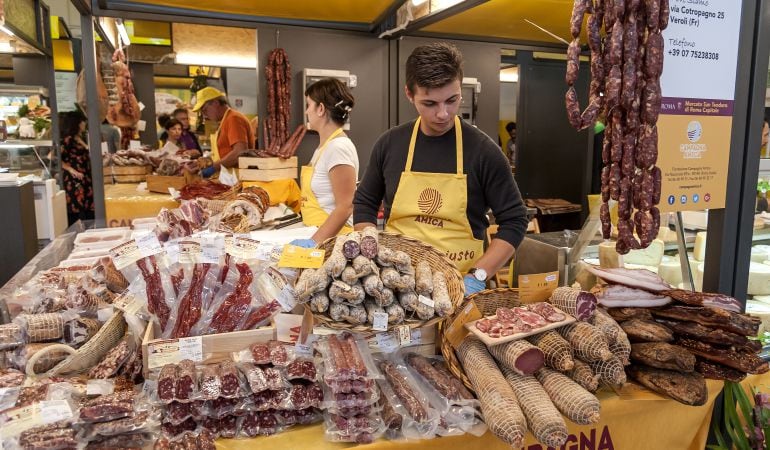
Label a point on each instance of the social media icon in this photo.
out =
(683, 199)
(707, 197)
(671, 199)
(695, 198)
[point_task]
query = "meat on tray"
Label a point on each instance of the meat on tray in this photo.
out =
(519, 319)
(712, 317)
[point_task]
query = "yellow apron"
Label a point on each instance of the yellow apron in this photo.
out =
(215, 148)
(312, 213)
(432, 207)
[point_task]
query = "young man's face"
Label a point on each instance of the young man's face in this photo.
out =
(437, 107)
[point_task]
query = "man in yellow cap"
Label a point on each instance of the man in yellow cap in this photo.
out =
(234, 136)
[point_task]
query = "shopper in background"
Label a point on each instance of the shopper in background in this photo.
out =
(510, 146)
(188, 139)
(439, 175)
(173, 138)
(111, 135)
(329, 181)
(234, 136)
(76, 167)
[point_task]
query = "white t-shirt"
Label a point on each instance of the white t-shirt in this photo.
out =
(339, 150)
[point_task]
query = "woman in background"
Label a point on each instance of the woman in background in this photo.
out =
(328, 183)
(76, 168)
(173, 135)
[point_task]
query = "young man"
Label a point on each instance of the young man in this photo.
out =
(234, 136)
(438, 176)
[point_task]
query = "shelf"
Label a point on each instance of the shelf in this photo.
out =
(35, 142)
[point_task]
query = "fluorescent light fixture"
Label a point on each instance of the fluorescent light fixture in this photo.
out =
(122, 31)
(7, 31)
(6, 47)
(418, 2)
(192, 59)
(509, 75)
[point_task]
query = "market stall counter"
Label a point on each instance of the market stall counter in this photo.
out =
(122, 203)
(645, 422)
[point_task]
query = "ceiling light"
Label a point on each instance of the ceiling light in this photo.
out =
(7, 31)
(6, 47)
(123, 33)
(418, 2)
(509, 75)
(192, 59)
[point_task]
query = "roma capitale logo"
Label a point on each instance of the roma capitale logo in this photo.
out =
(430, 201)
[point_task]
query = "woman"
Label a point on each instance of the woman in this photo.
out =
(173, 134)
(76, 167)
(329, 181)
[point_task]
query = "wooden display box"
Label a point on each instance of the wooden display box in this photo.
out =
(216, 347)
(126, 174)
(161, 183)
(266, 169)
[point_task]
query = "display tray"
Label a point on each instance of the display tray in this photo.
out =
(126, 174)
(490, 341)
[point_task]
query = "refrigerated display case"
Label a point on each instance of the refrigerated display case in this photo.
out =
(19, 102)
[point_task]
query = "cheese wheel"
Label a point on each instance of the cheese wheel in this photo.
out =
(759, 279)
(699, 251)
(670, 269)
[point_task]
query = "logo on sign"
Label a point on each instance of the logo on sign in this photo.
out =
(671, 199)
(694, 131)
(707, 197)
(695, 198)
(683, 199)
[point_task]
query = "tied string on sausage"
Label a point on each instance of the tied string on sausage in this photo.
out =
(627, 47)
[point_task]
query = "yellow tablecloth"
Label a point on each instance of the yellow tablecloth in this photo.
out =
(122, 203)
(281, 191)
(625, 425)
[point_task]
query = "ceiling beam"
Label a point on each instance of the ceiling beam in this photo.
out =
(437, 16)
(83, 6)
(386, 14)
(159, 12)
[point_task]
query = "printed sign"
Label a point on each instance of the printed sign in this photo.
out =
(698, 89)
(537, 287)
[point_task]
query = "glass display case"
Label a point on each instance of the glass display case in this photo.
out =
(25, 111)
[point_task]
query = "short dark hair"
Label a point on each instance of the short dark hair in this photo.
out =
(434, 65)
(179, 111)
(510, 126)
(172, 123)
(335, 96)
(69, 123)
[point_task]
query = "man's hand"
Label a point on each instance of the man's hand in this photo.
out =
(472, 285)
(304, 243)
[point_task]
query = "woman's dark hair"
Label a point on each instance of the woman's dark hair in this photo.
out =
(335, 96)
(433, 66)
(163, 120)
(170, 123)
(69, 123)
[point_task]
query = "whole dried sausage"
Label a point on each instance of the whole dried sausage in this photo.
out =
(637, 190)
(648, 147)
(655, 213)
(614, 82)
(624, 202)
(573, 108)
(629, 149)
(656, 180)
(615, 177)
(609, 14)
(653, 60)
(628, 92)
(616, 44)
(644, 227)
(620, 7)
(594, 34)
(597, 74)
(606, 184)
(630, 39)
(616, 151)
(573, 61)
(588, 118)
(604, 216)
(653, 14)
(651, 101)
(576, 21)
(606, 145)
(646, 195)
(632, 118)
(664, 13)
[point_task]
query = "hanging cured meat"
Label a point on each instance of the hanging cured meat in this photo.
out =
(278, 77)
(125, 113)
(626, 64)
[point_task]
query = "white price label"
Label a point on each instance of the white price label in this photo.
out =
(172, 251)
(104, 314)
(404, 335)
(149, 388)
(191, 348)
(8, 397)
(141, 106)
(212, 247)
(100, 387)
(303, 350)
(426, 301)
(148, 244)
(55, 410)
(380, 321)
(141, 125)
(417, 336)
(387, 342)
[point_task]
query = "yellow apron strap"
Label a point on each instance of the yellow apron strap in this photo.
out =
(458, 145)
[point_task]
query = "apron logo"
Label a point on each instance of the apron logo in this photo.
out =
(430, 201)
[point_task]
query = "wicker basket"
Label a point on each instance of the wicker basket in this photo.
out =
(487, 301)
(229, 194)
(418, 251)
(94, 350)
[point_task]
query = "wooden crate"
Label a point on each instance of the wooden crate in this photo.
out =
(216, 347)
(126, 174)
(161, 183)
(267, 174)
(248, 162)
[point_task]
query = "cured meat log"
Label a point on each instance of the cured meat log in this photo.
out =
(278, 77)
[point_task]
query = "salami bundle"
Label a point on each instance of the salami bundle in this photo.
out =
(626, 64)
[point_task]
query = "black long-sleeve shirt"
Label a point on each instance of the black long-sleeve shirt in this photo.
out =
(490, 182)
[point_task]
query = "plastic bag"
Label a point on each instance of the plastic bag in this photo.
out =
(194, 295)
(348, 364)
(106, 408)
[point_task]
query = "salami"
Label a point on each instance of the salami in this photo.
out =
(573, 61)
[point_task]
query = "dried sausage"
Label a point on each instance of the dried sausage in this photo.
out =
(628, 92)
(648, 147)
(612, 89)
(653, 60)
(606, 184)
(630, 39)
(615, 177)
(624, 202)
(588, 118)
(636, 188)
(573, 61)
(664, 13)
(573, 108)
(620, 7)
(646, 195)
(578, 11)
(609, 14)
(616, 151)
(604, 215)
(656, 180)
(651, 102)
(606, 145)
(594, 35)
(616, 44)
(653, 14)
(627, 162)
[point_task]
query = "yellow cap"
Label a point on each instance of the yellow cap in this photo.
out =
(204, 95)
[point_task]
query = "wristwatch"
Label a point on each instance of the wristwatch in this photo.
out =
(478, 273)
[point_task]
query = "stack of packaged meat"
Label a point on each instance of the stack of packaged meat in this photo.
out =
(269, 390)
(203, 285)
(350, 388)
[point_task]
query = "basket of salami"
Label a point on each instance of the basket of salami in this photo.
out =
(374, 280)
(487, 301)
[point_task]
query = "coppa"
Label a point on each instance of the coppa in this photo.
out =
(582, 442)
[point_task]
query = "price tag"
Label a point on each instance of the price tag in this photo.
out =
(456, 332)
(141, 106)
(148, 244)
(55, 410)
(301, 258)
(172, 251)
(104, 314)
(380, 321)
(105, 148)
(149, 388)
(387, 342)
(537, 287)
(162, 353)
(426, 301)
(100, 387)
(303, 350)
(212, 247)
(134, 144)
(191, 348)
(416, 336)
(20, 420)
(141, 125)
(8, 397)
(404, 335)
